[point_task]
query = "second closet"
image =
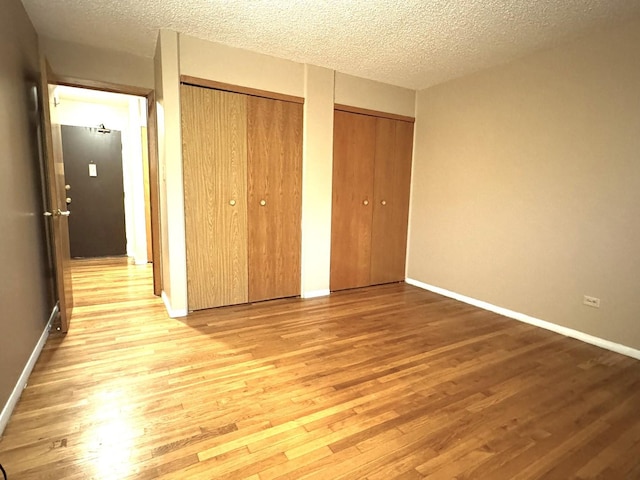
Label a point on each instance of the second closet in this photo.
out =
(371, 181)
(242, 161)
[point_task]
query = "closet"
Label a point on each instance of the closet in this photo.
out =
(371, 181)
(242, 160)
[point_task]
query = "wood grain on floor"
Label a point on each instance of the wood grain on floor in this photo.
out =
(377, 383)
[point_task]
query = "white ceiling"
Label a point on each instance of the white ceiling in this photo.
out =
(411, 43)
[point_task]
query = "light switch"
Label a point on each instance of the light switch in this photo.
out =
(93, 170)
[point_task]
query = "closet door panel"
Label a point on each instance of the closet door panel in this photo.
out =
(215, 177)
(351, 216)
(394, 145)
(274, 147)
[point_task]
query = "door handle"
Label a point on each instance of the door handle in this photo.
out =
(60, 213)
(48, 214)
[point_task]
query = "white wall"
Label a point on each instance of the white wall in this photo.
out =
(526, 185)
(171, 191)
(122, 113)
(135, 174)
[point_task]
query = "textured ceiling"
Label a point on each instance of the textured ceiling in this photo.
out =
(410, 43)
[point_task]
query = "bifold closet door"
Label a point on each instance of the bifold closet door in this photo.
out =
(351, 212)
(214, 152)
(394, 145)
(274, 146)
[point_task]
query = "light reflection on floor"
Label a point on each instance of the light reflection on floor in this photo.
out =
(110, 438)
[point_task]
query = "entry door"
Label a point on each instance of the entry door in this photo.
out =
(93, 172)
(57, 212)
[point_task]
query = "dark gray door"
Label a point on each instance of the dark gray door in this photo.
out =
(93, 170)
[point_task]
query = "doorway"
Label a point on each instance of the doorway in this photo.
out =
(104, 150)
(57, 199)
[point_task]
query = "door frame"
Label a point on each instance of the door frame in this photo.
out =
(55, 195)
(152, 143)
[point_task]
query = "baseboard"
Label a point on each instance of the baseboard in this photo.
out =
(568, 332)
(26, 372)
(173, 313)
(316, 293)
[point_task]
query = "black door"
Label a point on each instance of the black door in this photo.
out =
(93, 171)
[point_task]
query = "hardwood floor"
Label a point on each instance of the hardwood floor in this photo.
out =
(379, 383)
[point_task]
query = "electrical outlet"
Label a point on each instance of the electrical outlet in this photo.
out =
(591, 301)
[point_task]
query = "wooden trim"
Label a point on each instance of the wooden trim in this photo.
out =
(202, 82)
(98, 85)
(373, 113)
(154, 197)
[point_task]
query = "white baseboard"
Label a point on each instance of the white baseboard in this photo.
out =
(173, 313)
(568, 332)
(316, 293)
(24, 376)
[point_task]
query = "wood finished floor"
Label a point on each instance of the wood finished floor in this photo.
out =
(379, 383)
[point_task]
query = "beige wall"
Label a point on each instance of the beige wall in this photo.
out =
(317, 168)
(174, 266)
(26, 288)
(98, 64)
(363, 93)
(526, 186)
(213, 61)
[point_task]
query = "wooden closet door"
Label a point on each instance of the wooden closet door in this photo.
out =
(353, 160)
(215, 158)
(274, 197)
(394, 145)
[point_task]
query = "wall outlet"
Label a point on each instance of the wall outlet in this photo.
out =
(591, 301)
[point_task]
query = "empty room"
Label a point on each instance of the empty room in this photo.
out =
(328, 240)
